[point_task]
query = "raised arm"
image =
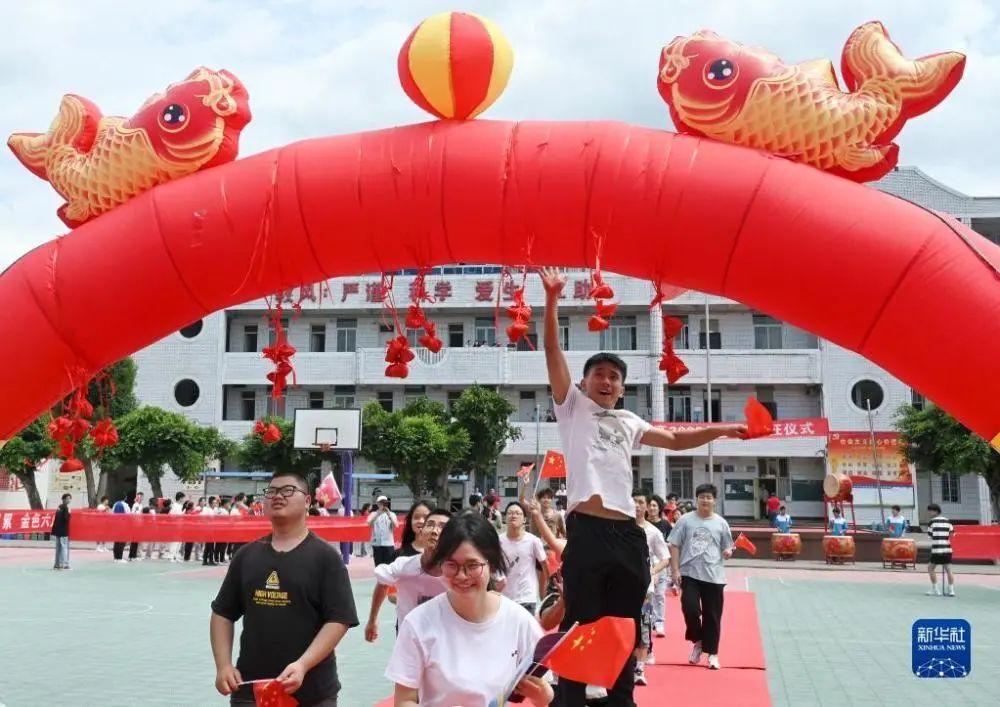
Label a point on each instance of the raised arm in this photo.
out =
(553, 281)
(689, 439)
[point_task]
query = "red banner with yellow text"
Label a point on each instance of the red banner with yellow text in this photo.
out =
(803, 427)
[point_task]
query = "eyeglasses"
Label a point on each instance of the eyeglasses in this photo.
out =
(473, 570)
(283, 491)
(434, 525)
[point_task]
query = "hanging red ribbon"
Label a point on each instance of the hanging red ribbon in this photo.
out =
(670, 362)
(398, 353)
(280, 353)
(600, 291)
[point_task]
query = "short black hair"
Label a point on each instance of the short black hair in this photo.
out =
(474, 499)
(639, 492)
(104, 498)
(440, 512)
(472, 528)
(65, 496)
(240, 496)
(934, 508)
(706, 488)
(672, 497)
(782, 508)
(836, 510)
(179, 495)
(605, 357)
(298, 476)
(519, 505)
(545, 492)
(896, 508)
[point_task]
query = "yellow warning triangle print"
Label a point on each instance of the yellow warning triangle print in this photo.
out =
(272, 579)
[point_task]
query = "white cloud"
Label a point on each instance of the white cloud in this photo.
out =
(321, 68)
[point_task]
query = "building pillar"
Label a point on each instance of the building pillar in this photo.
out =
(656, 397)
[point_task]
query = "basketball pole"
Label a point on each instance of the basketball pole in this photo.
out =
(347, 465)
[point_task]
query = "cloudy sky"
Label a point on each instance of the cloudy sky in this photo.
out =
(323, 67)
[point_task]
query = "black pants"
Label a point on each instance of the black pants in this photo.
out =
(188, 547)
(118, 551)
(605, 573)
(220, 552)
(701, 603)
(383, 554)
(208, 554)
(133, 551)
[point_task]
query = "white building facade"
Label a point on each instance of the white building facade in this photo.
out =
(213, 372)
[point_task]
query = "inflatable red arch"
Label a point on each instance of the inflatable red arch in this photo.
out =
(914, 291)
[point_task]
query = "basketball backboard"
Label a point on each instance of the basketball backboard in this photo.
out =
(338, 428)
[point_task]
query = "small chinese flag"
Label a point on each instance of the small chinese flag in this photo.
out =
(744, 543)
(759, 420)
(554, 466)
(595, 653)
(328, 493)
(525, 471)
(272, 694)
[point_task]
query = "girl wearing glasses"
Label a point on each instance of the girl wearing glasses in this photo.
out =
(463, 646)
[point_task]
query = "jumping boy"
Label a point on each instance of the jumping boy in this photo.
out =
(606, 560)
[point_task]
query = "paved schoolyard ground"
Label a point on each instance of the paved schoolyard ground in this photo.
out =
(137, 634)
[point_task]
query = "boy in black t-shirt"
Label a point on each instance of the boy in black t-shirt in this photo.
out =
(294, 595)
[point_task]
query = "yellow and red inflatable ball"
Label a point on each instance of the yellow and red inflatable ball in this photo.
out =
(455, 64)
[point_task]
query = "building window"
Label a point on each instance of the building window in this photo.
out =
(385, 400)
(276, 407)
(683, 338)
(716, 405)
(528, 342)
(679, 405)
(413, 392)
(918, 400)
(272, 334)
(317, 338)
(951, 487)
(453, 396)
(343, 396)
(316, 400)
(620, 336)
(186, 393)
(681, 478)
(347, 335)
(248, 404)
(866, 392)
(714, 335)
(413, 336)
(456, 335)
(766, 332)
(629, 401)
(765, 396)
(486, 333)
(250, 342)
(564, 333)
(192, 330)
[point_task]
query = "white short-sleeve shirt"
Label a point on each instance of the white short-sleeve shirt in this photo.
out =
(598, 445)
(413, 585)
(658, 549)
(451, 661)
(522, 579)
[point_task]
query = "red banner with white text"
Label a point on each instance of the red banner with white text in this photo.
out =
(802, 427)
(90, 525)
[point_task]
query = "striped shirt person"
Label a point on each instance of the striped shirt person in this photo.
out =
(940, 531)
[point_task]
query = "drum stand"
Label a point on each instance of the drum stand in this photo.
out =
(830, 502)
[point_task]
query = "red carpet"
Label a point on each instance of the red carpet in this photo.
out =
(741, 644)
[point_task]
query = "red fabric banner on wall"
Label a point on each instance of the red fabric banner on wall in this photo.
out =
(804, 427)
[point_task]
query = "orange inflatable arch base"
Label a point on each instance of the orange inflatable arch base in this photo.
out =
(914, 291)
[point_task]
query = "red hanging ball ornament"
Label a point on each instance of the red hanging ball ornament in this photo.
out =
(271, 434)
(671, 328)
(601, 290)
(597, 323)
(397, 370)
(415, 317)
(606, 309)
(431, 343)
(259, 427)
(517, 330)
(70, 465)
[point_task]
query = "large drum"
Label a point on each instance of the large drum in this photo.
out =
(837, 487)
(838, 548)
(786, 545)
(900, 552)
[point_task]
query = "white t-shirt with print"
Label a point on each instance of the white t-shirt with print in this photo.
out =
(522, 579)
(413, 585)
(658, 549)
(598, 444)
(382, 525)
(451, 661)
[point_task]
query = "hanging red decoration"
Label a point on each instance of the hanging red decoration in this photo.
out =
(268, 432)
(670, 363)
(429, 340)
(600, 291)
(280, 353)
(70, 428)
(104, 434)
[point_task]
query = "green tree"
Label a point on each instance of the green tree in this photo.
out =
(281, 455)
(485, 414)
(156, 440)
(22, 455)
(31, 447)
(936, 442)
(420, 443)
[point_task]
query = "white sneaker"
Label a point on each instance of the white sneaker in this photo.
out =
(658, 629)
(695, 656)
(713, 662)
(651, 659)
(934, 592)
(951, 591)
